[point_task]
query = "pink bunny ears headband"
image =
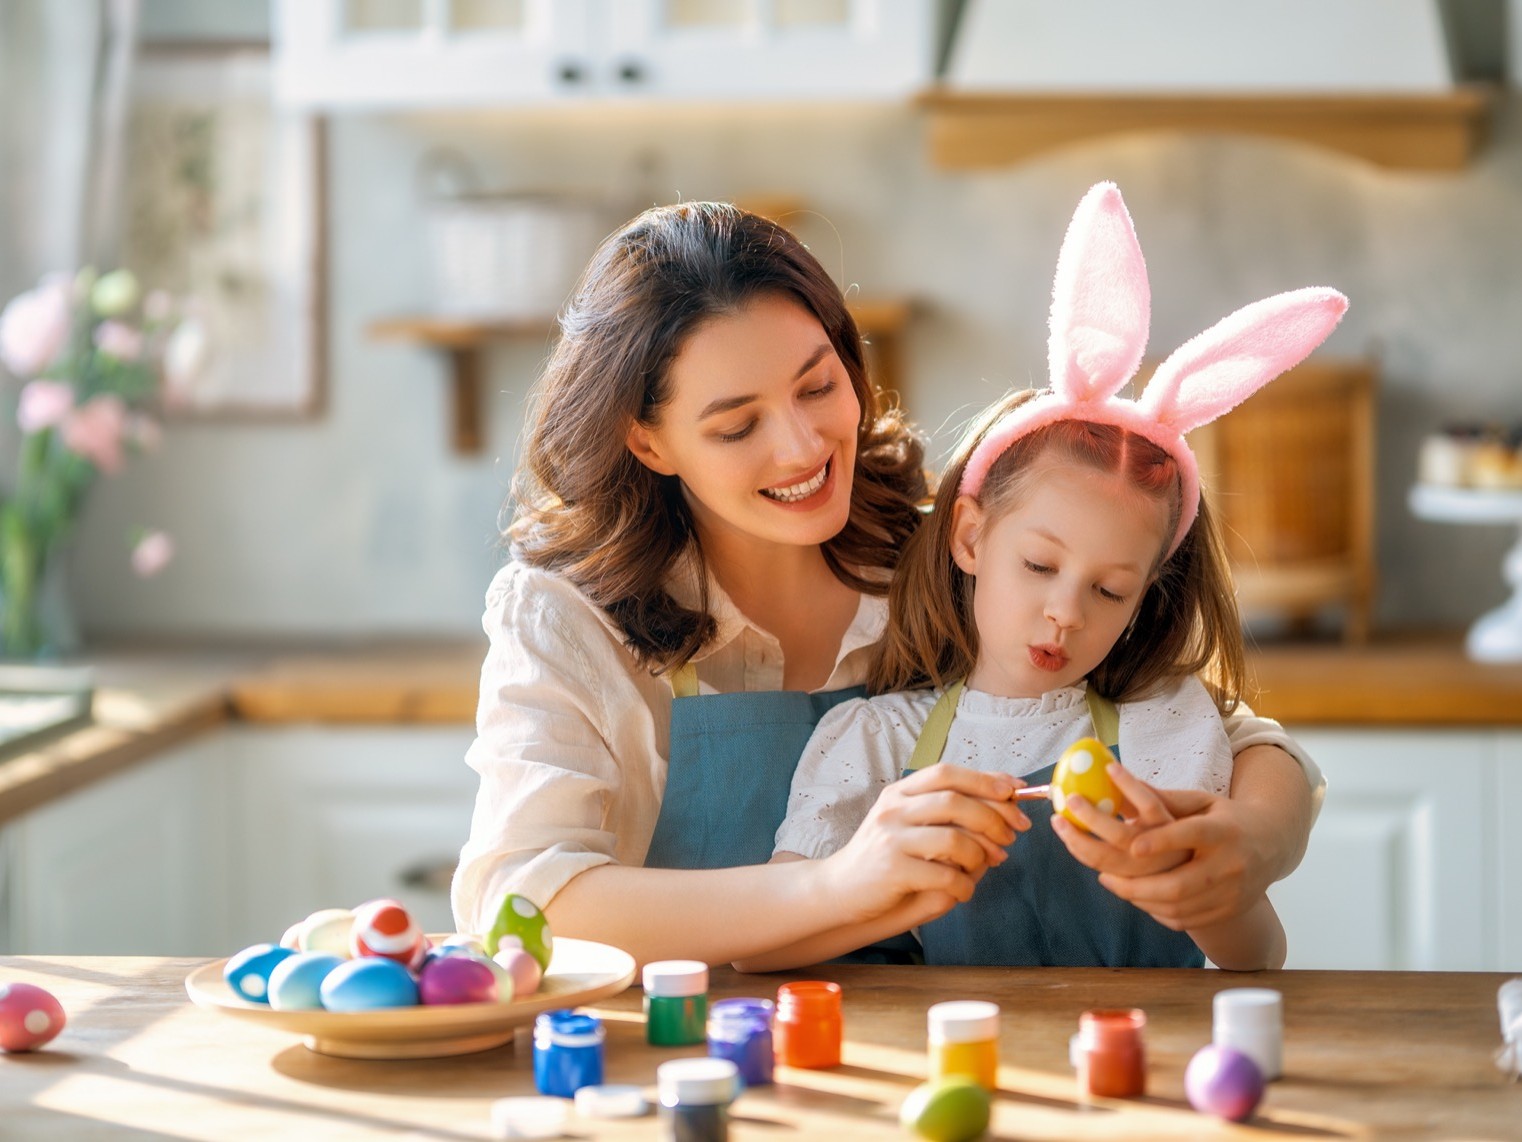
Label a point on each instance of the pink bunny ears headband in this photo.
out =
(1101, 308)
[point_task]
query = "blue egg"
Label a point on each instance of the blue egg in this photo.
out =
(248, 972)
(296, 982)
(366, 983)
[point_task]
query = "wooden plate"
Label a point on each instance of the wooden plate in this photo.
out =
(581, 971)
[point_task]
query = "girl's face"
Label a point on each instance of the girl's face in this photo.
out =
(760, 427)
(1059, 575)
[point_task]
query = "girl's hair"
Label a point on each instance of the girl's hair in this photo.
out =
(1186, 623)
(585, 507)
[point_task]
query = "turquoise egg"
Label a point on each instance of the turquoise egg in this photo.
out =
(248, 972)
(367, 983)
(296, 982)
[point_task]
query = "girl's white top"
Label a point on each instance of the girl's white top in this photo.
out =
(1174, 740)
(571, 733)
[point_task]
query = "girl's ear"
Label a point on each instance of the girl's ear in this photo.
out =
(966, 527)
(642, 442)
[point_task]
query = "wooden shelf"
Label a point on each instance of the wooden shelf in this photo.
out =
(1441, 132)
(465, 339)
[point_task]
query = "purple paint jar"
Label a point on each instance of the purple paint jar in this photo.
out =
(740, 1030)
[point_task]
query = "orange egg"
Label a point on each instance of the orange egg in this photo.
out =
(1081, 769)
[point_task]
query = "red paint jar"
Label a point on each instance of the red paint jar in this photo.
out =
(808, 1025)
(1108, 1051)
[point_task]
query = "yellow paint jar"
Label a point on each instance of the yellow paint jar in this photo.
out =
(964, 1040)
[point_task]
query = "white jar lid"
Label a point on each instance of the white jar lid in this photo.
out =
(611, 1100)
(529, 1117)
(697, 1082)
(676, 977)
(1250, 1006)
(963, 1021)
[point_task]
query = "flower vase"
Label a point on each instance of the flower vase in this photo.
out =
(36, 613)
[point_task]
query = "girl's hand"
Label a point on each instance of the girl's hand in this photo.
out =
(1108, 847)
(934, 831)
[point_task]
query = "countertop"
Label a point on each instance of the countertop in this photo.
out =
(1366, 1054)
(150, 699)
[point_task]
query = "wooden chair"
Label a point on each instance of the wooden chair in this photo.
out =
(1290, 476)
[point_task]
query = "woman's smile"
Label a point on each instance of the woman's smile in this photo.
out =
(806, 493)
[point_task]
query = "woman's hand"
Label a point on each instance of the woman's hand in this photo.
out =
(1109, 845)
(935, 831)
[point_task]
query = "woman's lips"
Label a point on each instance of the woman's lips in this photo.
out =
(1048, 658)
(798, 495)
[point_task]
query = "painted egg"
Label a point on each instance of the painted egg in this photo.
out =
(457, 979)
(368, 983)
(248, 972)
(458, 942)
(520, 924)
(522, 968)
(296, 982)
(292, 937)
(1081, 769)
(29, 1016)
(326, 930)
(1224, 1082)
(384, 928)
(954, 1109)
(506, 986)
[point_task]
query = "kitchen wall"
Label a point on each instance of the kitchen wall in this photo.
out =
(365, 522)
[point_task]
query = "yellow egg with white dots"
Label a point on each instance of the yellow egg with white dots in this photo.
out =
(1081, 769)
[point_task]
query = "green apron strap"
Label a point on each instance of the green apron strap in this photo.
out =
(1106, 718)
(684, 681)
(932, 740)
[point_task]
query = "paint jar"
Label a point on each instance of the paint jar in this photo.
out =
(567, 1052)
(964, 1040)
(740, 1030)
(695, 1095)
(676, 1002)
(1109, 1055)
(1251, 1019)
(808, 1030)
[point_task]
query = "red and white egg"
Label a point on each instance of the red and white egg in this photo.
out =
(386, 929)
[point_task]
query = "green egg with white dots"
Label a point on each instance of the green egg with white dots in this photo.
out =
(953, 1109)
(520, 924)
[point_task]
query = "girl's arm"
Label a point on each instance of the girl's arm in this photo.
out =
(1251, 941)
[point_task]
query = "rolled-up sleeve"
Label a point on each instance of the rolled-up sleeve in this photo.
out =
(1245, 728)
(554, 787)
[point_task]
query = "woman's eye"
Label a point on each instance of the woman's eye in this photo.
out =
(738, 434)
(1037, 568)
(823, 390)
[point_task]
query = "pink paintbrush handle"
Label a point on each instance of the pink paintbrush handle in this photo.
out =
(1033, 793)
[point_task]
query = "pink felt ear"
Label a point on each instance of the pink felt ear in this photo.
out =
(1217, 370)
(1101, 302)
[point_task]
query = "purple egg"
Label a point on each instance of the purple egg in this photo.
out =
(1224, 1082)
(457, 979)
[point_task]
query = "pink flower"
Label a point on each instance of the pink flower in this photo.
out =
(152, 554)
(34, 327)
(119, 340)
(95, 430)
(43, 404)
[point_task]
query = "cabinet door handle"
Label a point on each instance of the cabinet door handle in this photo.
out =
(431, 874)
(569, 71)
(630, 71)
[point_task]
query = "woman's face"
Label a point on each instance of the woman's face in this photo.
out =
(1058, 576)
(760, 427)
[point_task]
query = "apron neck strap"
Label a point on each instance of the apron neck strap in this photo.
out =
(931, 743)
(684, 681)
(1106, 718)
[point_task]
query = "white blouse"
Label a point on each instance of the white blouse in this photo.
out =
(571, 732)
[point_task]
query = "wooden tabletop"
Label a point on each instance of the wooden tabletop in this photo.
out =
(1366, 1055)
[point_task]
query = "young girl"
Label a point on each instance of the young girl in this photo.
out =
(1070, 568)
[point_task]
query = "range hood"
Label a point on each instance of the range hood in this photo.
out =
(1371, 78)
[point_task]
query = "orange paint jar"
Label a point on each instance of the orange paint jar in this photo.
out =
(808, 1028)
(1109, 1054)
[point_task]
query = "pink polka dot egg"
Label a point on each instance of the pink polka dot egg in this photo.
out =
(29, 1016)
(386, 929)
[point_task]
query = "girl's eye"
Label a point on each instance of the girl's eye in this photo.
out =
(1111, 596)
(741, 434)
(1037, 568)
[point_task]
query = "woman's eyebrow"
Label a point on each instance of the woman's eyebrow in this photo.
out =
(729, 404)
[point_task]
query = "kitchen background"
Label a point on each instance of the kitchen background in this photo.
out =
(334, 545)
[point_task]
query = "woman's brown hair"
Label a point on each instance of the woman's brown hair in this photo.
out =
(585, 507)
(1186, 623)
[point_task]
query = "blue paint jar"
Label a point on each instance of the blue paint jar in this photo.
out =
(740, 1030)
(567, 1052)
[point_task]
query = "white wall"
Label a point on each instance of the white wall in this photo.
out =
(365, 522)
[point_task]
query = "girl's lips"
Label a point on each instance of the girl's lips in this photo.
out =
(1048, 658)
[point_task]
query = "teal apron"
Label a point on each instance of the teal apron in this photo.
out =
(731, 766)
(1042, 907)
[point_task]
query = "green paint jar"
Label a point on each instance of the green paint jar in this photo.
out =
(676, 1003)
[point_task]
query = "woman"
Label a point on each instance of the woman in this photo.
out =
(710, 505)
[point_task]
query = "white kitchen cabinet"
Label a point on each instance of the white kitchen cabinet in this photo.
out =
(332, 816)
(332, 54)
(1412, 862)
(135, 864)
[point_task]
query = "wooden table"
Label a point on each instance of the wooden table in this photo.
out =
(1367, 1055)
